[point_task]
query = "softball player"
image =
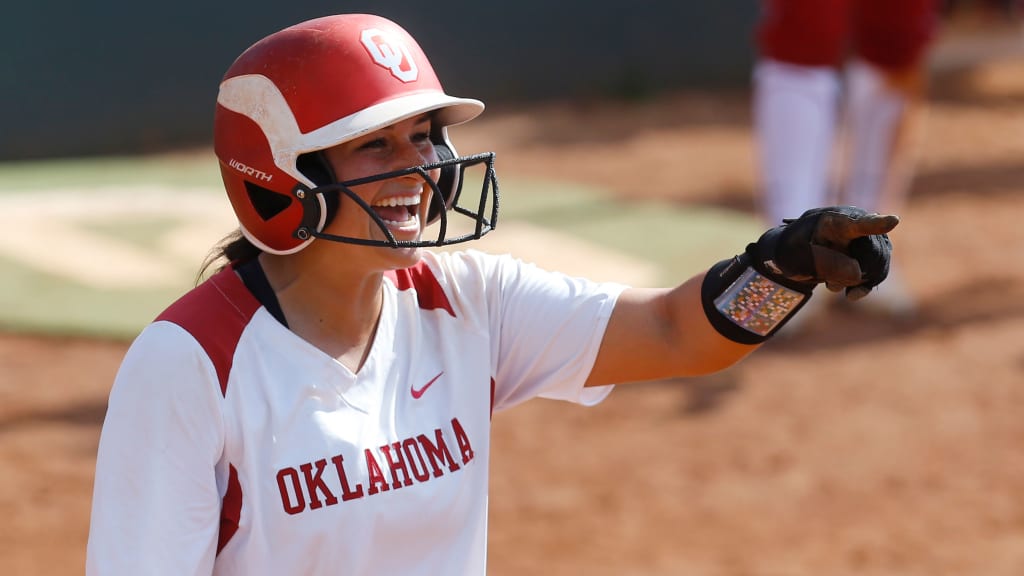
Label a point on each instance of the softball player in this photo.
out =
(322, 403)
(850, 71)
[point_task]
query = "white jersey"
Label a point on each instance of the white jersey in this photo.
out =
(233, 447)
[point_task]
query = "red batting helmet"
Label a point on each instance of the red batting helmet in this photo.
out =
(310, 87)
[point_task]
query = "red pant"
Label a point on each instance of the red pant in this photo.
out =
(887, 33)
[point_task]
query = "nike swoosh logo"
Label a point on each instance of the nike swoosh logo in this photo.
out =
(417, 393)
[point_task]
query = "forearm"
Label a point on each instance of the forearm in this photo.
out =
(662, 333)
(699, 347)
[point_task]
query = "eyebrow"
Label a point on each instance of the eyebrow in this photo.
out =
(421, 119)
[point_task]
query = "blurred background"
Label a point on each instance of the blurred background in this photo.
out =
(119, 77)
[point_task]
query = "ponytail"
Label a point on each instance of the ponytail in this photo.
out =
(234, 247)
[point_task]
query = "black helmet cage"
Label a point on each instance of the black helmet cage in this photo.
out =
(440, 204)
(448, 179)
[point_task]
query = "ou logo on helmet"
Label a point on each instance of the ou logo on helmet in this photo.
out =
(391, 53)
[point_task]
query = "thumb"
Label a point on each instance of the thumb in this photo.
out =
(835, 268)
(857, 292)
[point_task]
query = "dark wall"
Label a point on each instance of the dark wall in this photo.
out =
(80, 78)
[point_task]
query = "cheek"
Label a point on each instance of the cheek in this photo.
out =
(348, 211)
(350, 168)
(366, 192)
(435, 175)
(427, 190)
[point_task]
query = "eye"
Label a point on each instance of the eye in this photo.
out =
(420, 137)
(373, 144)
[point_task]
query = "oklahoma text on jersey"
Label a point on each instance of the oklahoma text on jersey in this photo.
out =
(413, 459)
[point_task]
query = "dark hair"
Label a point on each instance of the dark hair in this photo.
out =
(234, 247)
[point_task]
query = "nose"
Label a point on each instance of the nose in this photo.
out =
(411, 154)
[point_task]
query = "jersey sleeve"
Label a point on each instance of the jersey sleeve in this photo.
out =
(156, 503)
(545, 328)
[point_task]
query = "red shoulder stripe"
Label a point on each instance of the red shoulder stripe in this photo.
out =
(420, 278)
(215, 313)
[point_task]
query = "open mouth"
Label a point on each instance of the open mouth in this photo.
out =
(399, 211)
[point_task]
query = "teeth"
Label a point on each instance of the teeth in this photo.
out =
(412, 220)
(398, 201)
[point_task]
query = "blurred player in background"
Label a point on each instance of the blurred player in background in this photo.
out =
(839, 91)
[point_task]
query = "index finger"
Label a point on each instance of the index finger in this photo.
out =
(838, 228)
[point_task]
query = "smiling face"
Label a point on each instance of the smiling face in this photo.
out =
(401, 202)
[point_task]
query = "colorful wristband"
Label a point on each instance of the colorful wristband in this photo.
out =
(745, 306)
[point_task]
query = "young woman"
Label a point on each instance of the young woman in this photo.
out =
(321, 404)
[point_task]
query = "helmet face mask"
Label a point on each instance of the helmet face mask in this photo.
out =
(444, 202)
(314, 86)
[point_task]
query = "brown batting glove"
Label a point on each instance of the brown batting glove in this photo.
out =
(844, 247)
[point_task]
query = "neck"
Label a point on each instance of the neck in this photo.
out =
(333, 308)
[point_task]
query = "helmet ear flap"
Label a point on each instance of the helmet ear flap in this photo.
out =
(314, 165)
(448, 181)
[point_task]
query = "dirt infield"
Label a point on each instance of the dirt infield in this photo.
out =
(862, 446)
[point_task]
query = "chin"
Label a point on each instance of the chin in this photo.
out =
(399, 258)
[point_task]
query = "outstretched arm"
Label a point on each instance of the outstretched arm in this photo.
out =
(714, 319)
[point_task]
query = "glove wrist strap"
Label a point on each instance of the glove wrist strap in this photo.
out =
(746, 306)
